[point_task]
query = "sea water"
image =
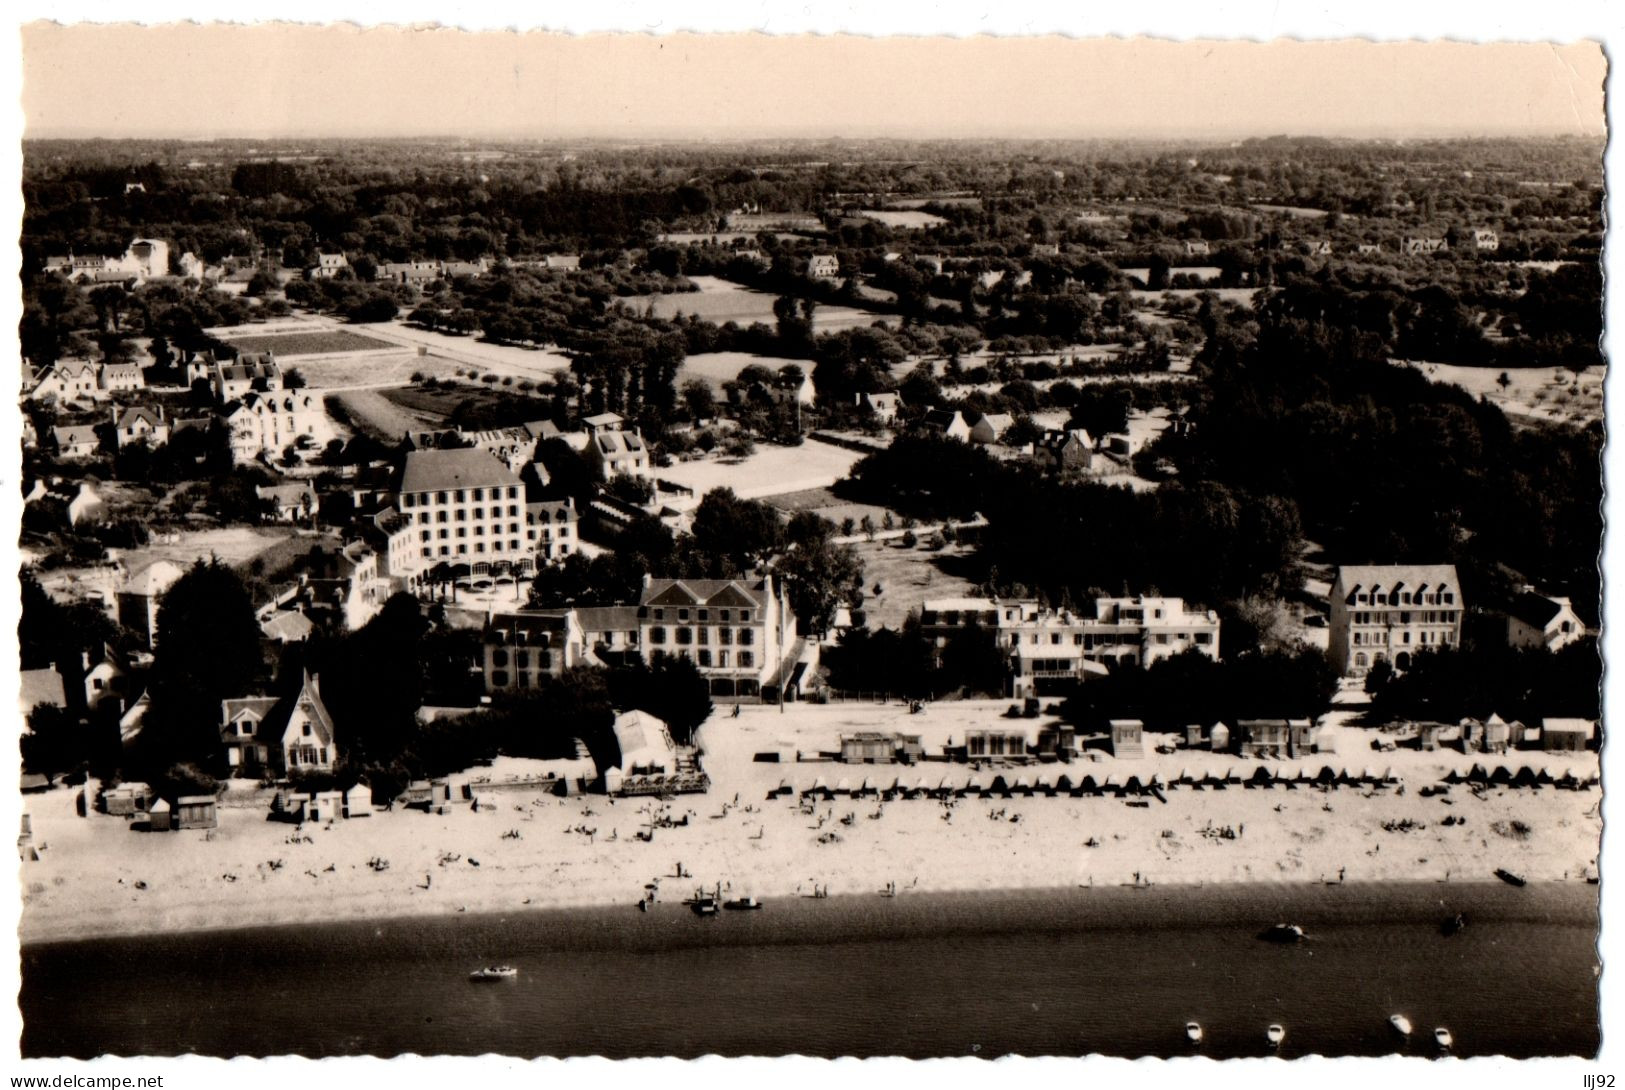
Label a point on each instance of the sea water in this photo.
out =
(1111, 971)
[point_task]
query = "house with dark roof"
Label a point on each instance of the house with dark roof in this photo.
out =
(120, 376)
(1064, 451)
(278, 735)
(740, 633)
(139, 424)
(1388, 612)
(291, 501)
(1536, 620)
(616, 453)
(948, 423)
(883, 405)
(75, 441)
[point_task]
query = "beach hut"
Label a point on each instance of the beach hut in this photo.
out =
(127, 799)
(326, 806)
(1193, 735)
(1565, 735)
(1128, 738)
(1218, 738)
(195, 812)
(358, 800)
(159, 816)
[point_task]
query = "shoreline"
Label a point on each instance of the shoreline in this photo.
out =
(1015, 908)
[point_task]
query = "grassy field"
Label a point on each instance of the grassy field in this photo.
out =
(719, 367)
(823, 502)
(771, 471)
(907, 577)
(309, 344)
(905, 219)
(723, 301)
(1544, 394)
(441, 403)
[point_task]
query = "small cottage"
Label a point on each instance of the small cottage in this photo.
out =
(195, 812)
(1128, 738)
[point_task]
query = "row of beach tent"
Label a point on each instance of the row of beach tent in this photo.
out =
(1502, 776)
(1052, 784)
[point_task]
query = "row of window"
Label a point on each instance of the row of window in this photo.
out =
(1406, 598)
(744, 637)
(521, 659)
(460, 514)
(723, 615)
(1420, 616)
(462, 550)
(479, 531)
(1380, 639)
(461, 495)
(722, 660)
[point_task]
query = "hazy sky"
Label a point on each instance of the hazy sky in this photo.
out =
(191, 81)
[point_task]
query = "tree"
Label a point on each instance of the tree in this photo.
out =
(207, 649)
(738, 533)
(819, 576)
(699, 399)
(672, 689)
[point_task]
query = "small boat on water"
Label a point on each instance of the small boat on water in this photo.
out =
(703, 906)
(1193, 1032)
(1275, 1034)
(1442, 1036)
(1510, 878)
(1283, 932)
(743, 904)
(493, 972)
(1453, 924)
(1401, 1024)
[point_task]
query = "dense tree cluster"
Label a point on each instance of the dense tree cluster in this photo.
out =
(1192, 688)
(1447, 685)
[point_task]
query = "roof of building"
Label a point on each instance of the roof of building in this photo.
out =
(529, 621)
(439, 470)
(153, 579)
(996, 421)
(1535, 610)
(71, 435)
(1392, 575)
(604, 420)
(1567, 726)
(644, 740)
(607, 618)
(288, 626)
(942, 418)
(42, 687)
(615, 443)
(292, 493)
(274, 712)
(713, 592)
(137, 413)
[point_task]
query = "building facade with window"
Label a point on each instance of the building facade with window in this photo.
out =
(740, 633)
(462, 507)
(1388, 612)
(522, 650)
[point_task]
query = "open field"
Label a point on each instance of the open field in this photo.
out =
(1293, 211)
(768, 472)
(313, 343)
(96, 877)
(719, 367)
(826, 504)
(442, 403)
(906, 220)
(723, 301)
(907, 577)
(234, 545)
(371, 412)
(1544, 394)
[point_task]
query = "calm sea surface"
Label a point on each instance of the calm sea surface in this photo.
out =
(1113, 971)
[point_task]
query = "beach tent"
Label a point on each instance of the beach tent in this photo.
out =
(1543, 777)
(999, 787)
(1388, 776)
(1501, 776)
(1326, 775)
(1261, 778)
(1454, 776)
(844, 787)
(1133, 786)
(1063, 783)
(1345, 779)
(1110, 784)
(866, 788)
(973, 786)
(1088, 786)
(1525, 777)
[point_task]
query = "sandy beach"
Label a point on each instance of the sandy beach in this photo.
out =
(97, 878)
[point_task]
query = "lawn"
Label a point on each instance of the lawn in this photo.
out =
(313, 343)
(905, 220)
(771, 471)
(441, 403)
(1546, 394)
(719, 367)
(907, 577)
(723, 301)
(825, 503)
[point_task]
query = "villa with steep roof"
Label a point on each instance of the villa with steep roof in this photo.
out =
(1388, 612)
(741, 633)
(278, 735)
